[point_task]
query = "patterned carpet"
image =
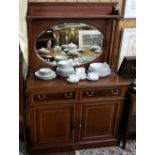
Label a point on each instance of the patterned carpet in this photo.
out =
(129, 150)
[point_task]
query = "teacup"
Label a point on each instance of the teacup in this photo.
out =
(73, 78)
(45, 71)
(93, 76)
(80, 70)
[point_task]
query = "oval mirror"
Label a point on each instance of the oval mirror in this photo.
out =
(77, 42)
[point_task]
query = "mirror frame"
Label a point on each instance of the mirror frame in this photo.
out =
(89, 26)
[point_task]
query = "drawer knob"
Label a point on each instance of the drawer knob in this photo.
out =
(68, 95)
(41, 97)
(115, 91)
(90, 93)
(80, 126)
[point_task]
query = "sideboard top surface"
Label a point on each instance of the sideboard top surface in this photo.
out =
(59, 84)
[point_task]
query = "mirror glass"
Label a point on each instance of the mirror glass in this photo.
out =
(77, 42)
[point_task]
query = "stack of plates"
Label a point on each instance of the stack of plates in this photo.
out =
(45, 74)
(102, 69)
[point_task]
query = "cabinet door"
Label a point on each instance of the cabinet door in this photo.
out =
(53, 124)
(99, 120)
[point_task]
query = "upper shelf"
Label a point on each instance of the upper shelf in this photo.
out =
(72, 10)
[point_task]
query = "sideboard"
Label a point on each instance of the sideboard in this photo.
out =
(61, 116)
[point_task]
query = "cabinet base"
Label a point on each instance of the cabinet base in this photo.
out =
(65, 148)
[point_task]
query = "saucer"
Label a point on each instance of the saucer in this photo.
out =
(72, 81)
(92, 79)
(45, 71)
(49, 76)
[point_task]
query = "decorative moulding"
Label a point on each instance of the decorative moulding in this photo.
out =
(76, 1)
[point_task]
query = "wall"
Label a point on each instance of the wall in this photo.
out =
(125, 23)
(23, 28)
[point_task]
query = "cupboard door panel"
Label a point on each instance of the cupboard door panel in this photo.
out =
(99, 120)
(54, 124)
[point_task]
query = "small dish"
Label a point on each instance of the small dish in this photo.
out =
(50, 76)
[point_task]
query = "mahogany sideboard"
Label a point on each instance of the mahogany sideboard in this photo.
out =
(62, 116)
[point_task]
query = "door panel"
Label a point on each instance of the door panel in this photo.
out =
(54, 124)
(99, 120)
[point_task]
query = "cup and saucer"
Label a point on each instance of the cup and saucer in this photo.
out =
(45, 74)
(80, 72)
(73, 78)
(92, 76)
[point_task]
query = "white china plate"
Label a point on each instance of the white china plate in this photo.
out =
(50, 76)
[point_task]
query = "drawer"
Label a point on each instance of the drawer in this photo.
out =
(106, 92)
(54, 96)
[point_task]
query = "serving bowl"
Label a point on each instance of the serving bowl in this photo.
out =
(64, 72)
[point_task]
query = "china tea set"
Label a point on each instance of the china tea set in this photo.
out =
(66, 70)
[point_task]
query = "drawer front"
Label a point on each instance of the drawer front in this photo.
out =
(106, 92)
(65, 96)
